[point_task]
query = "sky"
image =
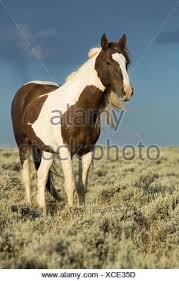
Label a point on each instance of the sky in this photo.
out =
(47, 40)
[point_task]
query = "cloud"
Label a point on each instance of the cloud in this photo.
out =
(168, 37)
(22, 39)
(31, 43)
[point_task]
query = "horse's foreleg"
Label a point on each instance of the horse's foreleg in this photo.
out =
(69, 182)
(42, 176)
(84, 166)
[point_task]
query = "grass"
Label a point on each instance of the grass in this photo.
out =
(131, 218)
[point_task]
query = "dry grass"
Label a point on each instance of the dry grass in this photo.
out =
(131, 218)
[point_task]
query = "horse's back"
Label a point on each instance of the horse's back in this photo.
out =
(27, 104)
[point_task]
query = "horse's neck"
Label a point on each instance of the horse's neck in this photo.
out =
(70, 92)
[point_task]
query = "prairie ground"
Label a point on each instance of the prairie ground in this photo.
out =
(131, 217)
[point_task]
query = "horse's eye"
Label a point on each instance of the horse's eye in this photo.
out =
(108, 63)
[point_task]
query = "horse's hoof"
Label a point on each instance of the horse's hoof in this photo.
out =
(28, 202)
(41, 207)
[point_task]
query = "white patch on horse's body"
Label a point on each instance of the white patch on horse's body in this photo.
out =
(70, 76)
(43, 83)
(61, 99)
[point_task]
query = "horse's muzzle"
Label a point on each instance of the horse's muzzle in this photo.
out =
(128, 93)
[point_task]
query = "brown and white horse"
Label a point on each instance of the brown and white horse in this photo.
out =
(35, 102)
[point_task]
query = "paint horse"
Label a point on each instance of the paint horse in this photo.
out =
(81, 99)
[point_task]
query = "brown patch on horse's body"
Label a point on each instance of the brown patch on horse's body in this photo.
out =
(26, 107)
(81, 122)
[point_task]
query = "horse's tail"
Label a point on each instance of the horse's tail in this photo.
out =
(37, 156)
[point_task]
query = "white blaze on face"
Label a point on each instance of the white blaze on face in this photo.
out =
(121, 60)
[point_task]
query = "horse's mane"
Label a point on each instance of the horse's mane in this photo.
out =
(92, 52)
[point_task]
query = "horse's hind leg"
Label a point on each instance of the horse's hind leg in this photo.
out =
(24, 155)
(84, 166)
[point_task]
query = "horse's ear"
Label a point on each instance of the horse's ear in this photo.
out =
(122, 41)
(104, 42)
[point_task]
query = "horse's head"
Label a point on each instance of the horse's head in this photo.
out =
(111, 66)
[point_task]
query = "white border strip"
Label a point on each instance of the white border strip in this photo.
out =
(89, 274)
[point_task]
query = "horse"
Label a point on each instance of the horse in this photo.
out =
(80, 98)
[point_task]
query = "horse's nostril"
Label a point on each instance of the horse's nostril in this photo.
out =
(132, 92)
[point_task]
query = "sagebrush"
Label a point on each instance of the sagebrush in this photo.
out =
(131, 217)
